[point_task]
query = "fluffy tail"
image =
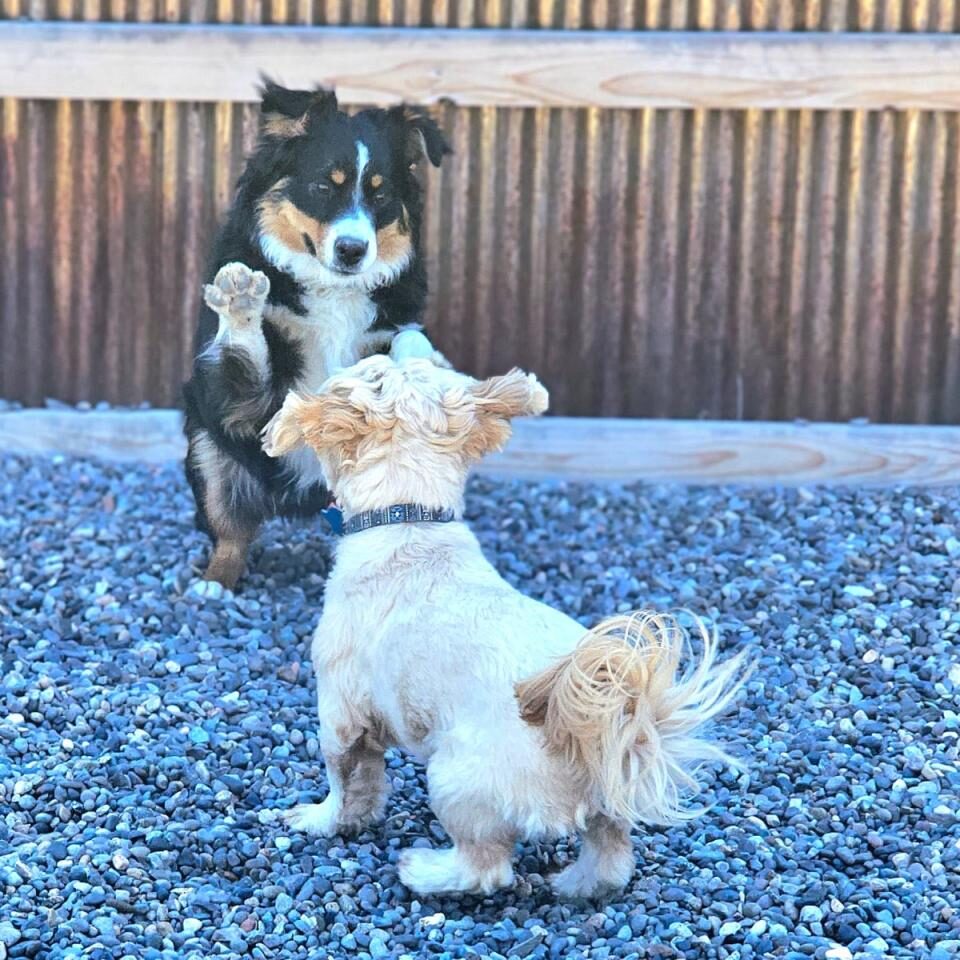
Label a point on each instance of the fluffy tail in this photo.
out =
(616, 708)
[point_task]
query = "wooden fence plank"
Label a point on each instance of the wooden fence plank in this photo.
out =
(519, 68)
(147, 436)
(587, 449)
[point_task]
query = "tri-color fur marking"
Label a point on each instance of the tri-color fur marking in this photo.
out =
(317, 265)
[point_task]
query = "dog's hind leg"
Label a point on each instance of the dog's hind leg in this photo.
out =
(229, 557)
(222, 491)
(358, 789)
(467, 867)
(605, 863)
(480, 860)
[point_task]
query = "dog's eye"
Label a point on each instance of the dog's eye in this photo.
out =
(319, 188)
(380, 196)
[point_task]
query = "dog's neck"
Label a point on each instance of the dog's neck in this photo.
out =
(397, 513)
(428, 499)
(432, 499)
(379, 544)
(376, 557)
(406, 476)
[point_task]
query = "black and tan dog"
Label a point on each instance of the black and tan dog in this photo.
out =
(317, 265)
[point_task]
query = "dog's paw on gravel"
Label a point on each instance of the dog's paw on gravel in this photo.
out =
(209, 590)
(316, 819)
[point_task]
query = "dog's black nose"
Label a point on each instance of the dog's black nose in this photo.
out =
(349, 251)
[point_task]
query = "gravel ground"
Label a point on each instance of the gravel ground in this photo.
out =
(147, 735)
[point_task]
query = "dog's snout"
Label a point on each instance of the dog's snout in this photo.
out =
(349, 251)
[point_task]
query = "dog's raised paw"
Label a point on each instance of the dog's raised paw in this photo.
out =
(237, 293)
(316, 819)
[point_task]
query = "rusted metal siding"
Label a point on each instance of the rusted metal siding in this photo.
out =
(756, 264)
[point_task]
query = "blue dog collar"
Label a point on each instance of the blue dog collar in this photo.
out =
(398, 513)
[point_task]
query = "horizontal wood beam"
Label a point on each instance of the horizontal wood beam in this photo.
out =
(516, 68)
(719, 452)
(574, 448)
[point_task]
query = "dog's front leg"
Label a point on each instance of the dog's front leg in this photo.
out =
(237, 296)
(358, 788)
(468, 805)
(231, 385)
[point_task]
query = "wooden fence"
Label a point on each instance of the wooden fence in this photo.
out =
(688, 208)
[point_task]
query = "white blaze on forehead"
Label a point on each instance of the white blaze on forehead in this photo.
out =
(356, 222)
(363, 158)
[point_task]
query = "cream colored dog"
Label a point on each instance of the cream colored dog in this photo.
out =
(528, 727)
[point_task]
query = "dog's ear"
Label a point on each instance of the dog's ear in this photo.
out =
(283, 433)
(321, 422)
(515, 394)
(288, 113)
(496, 402)
(420, 134)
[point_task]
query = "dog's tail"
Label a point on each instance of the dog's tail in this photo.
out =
(617, 709)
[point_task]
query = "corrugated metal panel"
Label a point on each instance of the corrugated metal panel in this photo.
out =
(653, 263)
(872, 15)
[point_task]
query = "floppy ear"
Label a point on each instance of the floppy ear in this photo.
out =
(422, 137)
(321, 422)
(496, 402)
(515, 394)
(283, 433)
(287, 113)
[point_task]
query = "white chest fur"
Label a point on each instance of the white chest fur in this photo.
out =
(329, 337)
